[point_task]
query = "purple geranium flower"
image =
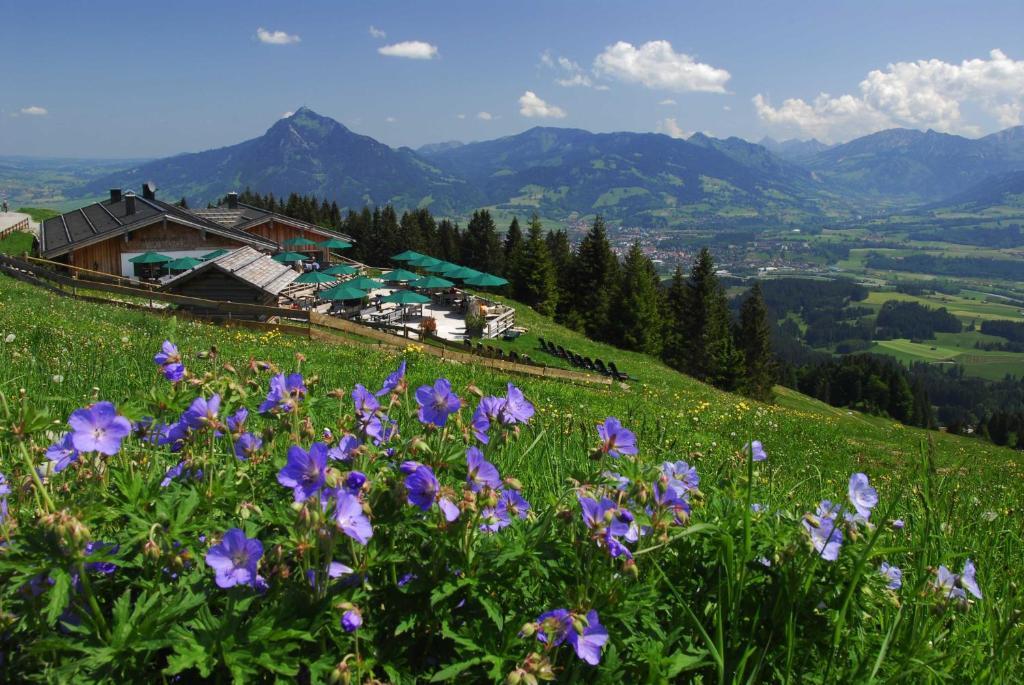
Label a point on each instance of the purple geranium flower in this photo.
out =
(98, 428)
(516, 409)
(756, 450)
(202, 413)
(62, 453)
(892, 574)
(352, 619)
(236, 422)
(393, 381)
(968, 581)
(558, 626)
(616, 440)
(681, 475)
(304, 472)
(423, 490)
(101, 549)
(285, 394)
(179, 470)
(174, 435)
(366, 403)
(481, 473)
(826, 537)
(247, 445)
(351, 519)
(488, 410)
(169, 361)
(437, 402)
(863, 497)
(5, 490)
(235, 559)
(345, 449)
(354, 482)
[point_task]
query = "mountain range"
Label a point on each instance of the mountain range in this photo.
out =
(645, 179)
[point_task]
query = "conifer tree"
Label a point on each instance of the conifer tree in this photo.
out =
(674, 339)
(637, 322)
(562, 260)
(481, 248)
(594, 283)
(533, 281)
(754, 340)
(512, 247)
(448, 242)
(709, 352)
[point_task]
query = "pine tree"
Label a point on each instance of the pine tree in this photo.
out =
(449, 239)
(594, 283)
(183, 203)
(755, 342)
(533, 281)
(709, 352)
(481, 248)
(637, 323)
(562, 260)
(512, 247)
(674, 348)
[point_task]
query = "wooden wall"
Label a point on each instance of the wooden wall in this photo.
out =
(279, 231)
(105, 256)
(213, 284)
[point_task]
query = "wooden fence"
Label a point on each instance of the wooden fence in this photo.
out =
(22, 225)
(288, 321)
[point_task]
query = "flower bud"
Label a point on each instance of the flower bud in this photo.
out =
(515, 677)
(629, 566)
(513, 483)
(151, 550)
(528, 629)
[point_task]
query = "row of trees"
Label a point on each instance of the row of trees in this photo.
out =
(588, 288)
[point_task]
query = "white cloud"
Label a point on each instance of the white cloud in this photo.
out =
(668, 102)
(571, 74)
(726, 108)
(460, 116)
(276, 37)
(484, 116)
(377, 33)
(657, 66)
(672, 128)
(34, 111)
(922, 94)
(390, 120)
(287, 114)
(532, 106)
(410, 49)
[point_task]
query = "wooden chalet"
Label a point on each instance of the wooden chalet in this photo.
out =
(105, 235)
(271, 225)
(244, 275)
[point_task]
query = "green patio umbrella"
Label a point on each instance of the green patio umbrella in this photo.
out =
(285, 257)
(299, 242)
(423, 262)
(342, 292)
(462, 273)
(340, 270)
(443, 267)
(399, 275)
(431, 282)
(335, 243)
(150, 258)
(213, 255)
(405, 297)
(363, 283)
(183, 264)
(485, 280)
(406, 256)
(315, 277)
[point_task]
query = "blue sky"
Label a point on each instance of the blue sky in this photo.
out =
(149, 79)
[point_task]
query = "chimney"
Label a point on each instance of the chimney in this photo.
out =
(232, 200)
(129, 203)
(149, 191)
(115, 195)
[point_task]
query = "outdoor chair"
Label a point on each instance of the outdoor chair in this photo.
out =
(589, 363)
(562, 353)
(601, 368)
(490, 351)
(543, 344)
(468, 343)
(501, 353)
(513, 357)
(619, 375)
(479, 348)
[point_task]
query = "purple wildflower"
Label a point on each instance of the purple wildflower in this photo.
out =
(364, 400)
(616, 440)
(98, 428)
(968, 581)
(437, 402)
(202, 413)
(898, 524)
(234, 560)
(62, 453)
(892, 574)
(394, 381)
(169, 361)
(5, 490)
(354, 482)
(352, 619)
(487, 411)
(863, 497)
(177, 471)
(351, 519)
(345, 449)
(516, 409)
(104, 550)
(304, 472)
(558, 626)
(756, 450)
(681, 475)
(826, 537)
(423, 490)
(481, 473)
(285, 394)
(247, 445)
(236, 422)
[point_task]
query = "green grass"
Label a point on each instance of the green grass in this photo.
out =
(38, 213)
(16, 243)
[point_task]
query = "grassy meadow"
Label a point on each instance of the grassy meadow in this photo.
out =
(695, 609)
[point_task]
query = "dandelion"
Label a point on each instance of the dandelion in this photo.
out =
(62, 453)
(351, 520)
(863, 497)
(892, 574)
(616, 440)
(235, 559)
(305, 472)
(98, 428)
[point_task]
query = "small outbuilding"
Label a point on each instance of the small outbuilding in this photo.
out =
(244, 275)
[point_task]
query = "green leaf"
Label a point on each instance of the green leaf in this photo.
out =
(59, 594)
(405, 624)
(453, 670)
(492, 611)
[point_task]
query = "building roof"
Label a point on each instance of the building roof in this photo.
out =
(102, 220)
(247, 265)
(243, 217)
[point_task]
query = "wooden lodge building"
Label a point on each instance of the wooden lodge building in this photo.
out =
(245, 275)
(105, 235)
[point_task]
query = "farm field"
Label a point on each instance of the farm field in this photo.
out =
(955, 495)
